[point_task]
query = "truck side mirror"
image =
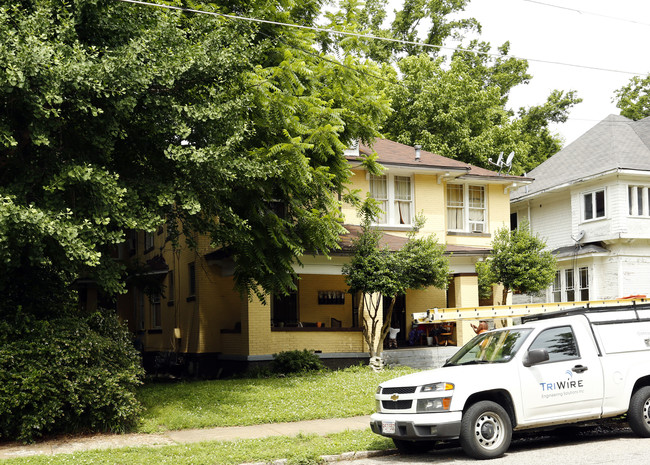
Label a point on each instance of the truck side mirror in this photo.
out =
(535, 356)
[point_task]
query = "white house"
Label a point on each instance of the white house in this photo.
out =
(591, 203)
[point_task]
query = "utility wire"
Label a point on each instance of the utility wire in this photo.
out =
(373, 37)
(582, 12)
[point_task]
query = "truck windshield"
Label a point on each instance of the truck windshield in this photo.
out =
(490, 347)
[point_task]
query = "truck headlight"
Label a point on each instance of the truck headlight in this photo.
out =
(439, 404)
(435, 387)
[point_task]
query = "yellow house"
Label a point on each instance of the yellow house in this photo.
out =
(201, 325)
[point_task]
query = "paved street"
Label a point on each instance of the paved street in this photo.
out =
(592, 446)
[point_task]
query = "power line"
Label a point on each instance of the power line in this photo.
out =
(385, 39)
(583, 12)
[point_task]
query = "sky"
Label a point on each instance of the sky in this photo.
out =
(610, 34)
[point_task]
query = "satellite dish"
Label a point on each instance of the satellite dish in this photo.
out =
(501, 163)
(580, 236)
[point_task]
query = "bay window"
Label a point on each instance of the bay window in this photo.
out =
(593, 205)
(639, 200)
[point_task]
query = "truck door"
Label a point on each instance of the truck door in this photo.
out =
(569, 385)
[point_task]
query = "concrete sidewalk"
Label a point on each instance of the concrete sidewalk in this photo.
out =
(69, 445)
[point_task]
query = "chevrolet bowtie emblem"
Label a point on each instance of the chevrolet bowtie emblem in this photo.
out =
(394, 397)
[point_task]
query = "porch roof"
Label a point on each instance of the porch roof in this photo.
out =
(397, 242)
(579, 250)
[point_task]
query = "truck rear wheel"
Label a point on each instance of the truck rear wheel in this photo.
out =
(639, 413)
(485, 430)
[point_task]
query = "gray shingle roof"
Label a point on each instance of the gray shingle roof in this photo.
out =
(615, 143)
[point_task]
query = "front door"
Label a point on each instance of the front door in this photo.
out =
(569, 384)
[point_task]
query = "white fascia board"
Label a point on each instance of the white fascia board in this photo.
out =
(496, 179)
(565, 185)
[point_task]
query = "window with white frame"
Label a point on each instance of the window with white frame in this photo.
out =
(466, 208)
(569, 283)
(394, 194)
(379, 192)
(557, 287)
(593, 205)
(583, 274)
(563, 288)
(639, 200)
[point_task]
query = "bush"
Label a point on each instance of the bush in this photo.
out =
(66, 374)
(296, 361)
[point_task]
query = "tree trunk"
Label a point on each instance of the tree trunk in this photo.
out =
(504, 295)
(373, 333)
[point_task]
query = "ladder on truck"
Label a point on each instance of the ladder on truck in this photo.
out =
(436, 315)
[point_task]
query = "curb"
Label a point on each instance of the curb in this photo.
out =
(364, 454)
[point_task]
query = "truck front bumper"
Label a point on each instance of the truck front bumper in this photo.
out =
(417, 426)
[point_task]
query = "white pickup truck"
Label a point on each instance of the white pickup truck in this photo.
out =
(554, 369)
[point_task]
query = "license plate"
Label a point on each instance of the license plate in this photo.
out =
(388, 427)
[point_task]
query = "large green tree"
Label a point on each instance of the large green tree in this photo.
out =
(454, 104)
(117, 116)
(378, 273)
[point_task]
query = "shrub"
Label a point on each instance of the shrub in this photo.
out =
(66, 374)
(296, 361)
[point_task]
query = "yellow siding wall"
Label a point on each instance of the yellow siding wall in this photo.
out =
(466, 290)
(215, 305)
(498, 208)
(430, 200)
(357, 181)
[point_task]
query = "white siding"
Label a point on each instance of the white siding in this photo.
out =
(622, 271)
(551, 220)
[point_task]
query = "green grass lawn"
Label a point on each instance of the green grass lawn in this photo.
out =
(299, 450)
(241, 402)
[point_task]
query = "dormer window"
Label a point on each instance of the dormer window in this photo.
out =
(394, 194)
(353, 149)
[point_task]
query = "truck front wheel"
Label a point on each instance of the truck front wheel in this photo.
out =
(639, 413)
(485, 430)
